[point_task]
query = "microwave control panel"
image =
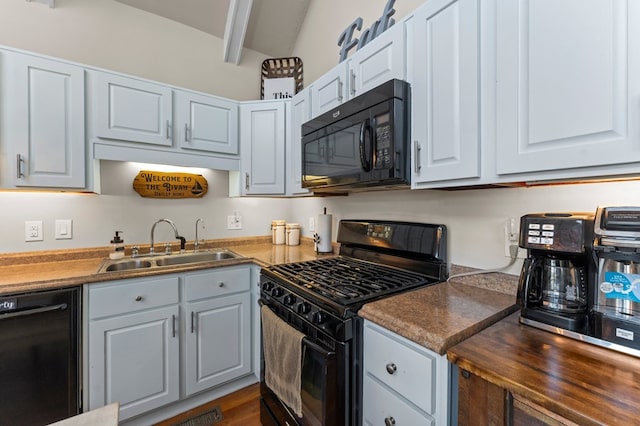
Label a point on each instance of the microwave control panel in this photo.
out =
(384, 146)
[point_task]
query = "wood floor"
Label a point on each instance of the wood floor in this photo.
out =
(241, 408)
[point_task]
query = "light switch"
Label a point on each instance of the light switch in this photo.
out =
(64, 229)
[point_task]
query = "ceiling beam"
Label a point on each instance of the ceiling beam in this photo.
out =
(235, 29)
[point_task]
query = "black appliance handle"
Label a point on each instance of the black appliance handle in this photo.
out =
(524, 283)
(34, 311)
(365, 162)
(317, 348)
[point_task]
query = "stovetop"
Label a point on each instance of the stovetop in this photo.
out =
(348, 281)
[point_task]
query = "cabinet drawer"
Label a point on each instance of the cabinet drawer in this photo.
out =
(381, 407)
(132, 295)
(218, 282)
(400, 364)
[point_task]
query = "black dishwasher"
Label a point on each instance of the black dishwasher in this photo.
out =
(39, 356)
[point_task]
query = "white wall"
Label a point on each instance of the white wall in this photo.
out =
(111, 35)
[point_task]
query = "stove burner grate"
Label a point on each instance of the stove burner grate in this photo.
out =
(347, 281)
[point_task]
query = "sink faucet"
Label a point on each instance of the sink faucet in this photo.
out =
(178, 237)
(196, 242)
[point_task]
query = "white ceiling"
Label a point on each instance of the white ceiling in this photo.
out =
(272, 28)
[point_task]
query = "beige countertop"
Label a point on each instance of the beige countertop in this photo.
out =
(21, 272)
(439, 316)
(436, 317)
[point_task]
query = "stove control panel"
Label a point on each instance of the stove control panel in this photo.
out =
(319, 318)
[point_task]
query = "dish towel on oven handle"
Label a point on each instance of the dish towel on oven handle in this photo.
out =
(282, 348)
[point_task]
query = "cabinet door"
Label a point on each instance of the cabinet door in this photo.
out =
(568, 85)
(446, 132)
(329, 91)
(381, 60)
(262, 135)
(479, 402)
(218, 341)
(134, 359)
(300, 113)
(132, 110)
(207, 123)
(45, 123)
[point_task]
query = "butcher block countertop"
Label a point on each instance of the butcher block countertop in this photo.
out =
(579, 381)
(439, 316)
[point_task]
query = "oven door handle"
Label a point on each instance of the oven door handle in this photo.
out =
(317, 348)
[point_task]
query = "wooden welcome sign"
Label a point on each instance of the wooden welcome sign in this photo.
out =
(169, 185)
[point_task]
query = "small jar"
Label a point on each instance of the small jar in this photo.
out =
(278, 231)
(293, 234)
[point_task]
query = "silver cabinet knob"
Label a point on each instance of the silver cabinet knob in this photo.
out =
(221, 285)
(389, 421)
(391, 368)
(138, 298)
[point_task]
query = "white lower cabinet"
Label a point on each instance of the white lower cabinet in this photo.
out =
(217, 343)
(403, 382)
(157, 340)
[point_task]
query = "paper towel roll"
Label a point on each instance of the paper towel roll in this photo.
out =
(323, 229)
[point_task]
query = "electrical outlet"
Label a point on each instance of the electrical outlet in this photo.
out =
(33, 230)
(511, 236)
(234, 222)
(64, 229)
(312, 224)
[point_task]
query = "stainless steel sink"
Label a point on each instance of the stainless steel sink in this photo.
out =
(181, 259)
(124, 265)
(166, 260)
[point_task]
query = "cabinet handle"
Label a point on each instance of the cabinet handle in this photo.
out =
(389, 421)
(339, 90)
(391, 368)
(168, 130)
(193, 321)
(465, 374)
(416, 156)
(138, 298)
(173, 321)
(187, 135)
(221, 285)
(352, 89)
(19, 164)
(246, 181)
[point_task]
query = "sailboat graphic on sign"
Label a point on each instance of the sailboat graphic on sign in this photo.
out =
(197, 189)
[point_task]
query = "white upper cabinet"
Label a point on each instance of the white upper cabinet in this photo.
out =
(330, 90)
(444, 58)
(207, 123)
(568, 84)
(300, 113)
(379, 61)
(132, 110)
(262, 146)
(43, 121)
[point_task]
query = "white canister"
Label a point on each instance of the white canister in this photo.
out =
(293, 234)
(278, 231)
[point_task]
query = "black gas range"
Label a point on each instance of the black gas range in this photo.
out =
(321, 298)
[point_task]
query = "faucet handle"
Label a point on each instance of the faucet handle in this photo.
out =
(134, 251)
(167, 248)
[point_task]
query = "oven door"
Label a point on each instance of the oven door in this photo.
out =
(323, 384)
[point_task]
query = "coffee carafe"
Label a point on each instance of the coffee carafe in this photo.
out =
(554, 284)
(616, 309)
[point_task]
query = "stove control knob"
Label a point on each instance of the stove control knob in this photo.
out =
(289, 299)
(320, 317)
(276, 292)
(304, 308)
(267, 285)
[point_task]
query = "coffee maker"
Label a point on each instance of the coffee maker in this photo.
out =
(616, 308)
(553, 290)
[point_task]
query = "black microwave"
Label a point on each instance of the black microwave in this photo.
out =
(363, 143)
